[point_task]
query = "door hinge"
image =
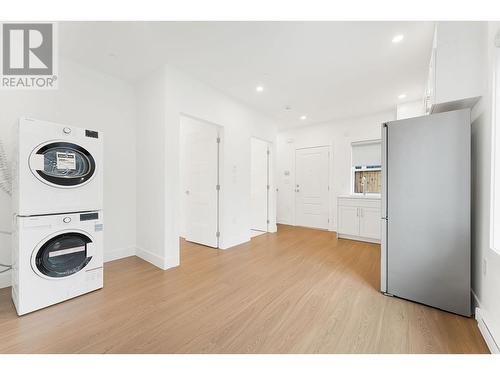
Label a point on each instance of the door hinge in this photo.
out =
(217, 234)
(268, 152)
(328, 220)
(217, 187)
(268, 187)
(218, 139)
(268, 221)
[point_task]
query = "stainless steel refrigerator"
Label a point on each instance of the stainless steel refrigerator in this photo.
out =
(426, 210)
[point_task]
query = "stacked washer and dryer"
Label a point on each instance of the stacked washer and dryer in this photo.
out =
(57, 196)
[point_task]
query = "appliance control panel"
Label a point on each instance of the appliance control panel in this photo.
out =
(91, 133)
(89, 216)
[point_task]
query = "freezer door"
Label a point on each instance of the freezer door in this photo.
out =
(428, 210)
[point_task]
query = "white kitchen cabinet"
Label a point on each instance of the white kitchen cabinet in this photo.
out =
(359, 218)
(456, 66)
(369, 222)
(348, 220)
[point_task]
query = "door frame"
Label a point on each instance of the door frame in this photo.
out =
(270, 154)
(272, 199)
(330, 185)
(220, 169)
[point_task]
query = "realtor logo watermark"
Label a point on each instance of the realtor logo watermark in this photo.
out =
(29, 56)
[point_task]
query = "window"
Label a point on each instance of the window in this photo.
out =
(366, 167)
(495, 159)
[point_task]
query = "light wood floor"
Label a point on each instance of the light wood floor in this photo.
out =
(298, 291)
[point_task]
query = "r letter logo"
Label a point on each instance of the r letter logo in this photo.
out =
(28, 56)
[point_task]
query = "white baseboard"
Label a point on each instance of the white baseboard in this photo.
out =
(156, 260)
(284, 222)
(357, 238)
(171, 262)
(119, 254)
(234, 242)
(273, 228)
(487, 335)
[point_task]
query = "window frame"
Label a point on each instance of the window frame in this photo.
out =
(353, 169)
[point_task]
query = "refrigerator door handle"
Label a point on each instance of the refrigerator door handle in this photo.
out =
(384, 154)
(385, 216)
(383, 257)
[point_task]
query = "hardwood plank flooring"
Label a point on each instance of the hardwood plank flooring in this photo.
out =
(297, 291)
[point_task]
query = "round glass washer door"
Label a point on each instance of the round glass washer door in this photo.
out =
(62, 255)
(64, 164)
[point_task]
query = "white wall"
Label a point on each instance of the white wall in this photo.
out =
(338, 135)
(485, 285)
(186, 95)
(89, 99)
(150, 143)
(410, 109)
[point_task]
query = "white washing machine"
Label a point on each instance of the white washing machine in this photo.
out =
(57, 168)
(55, 258)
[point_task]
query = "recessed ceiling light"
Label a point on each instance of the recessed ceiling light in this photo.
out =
(402, 96)
(398, 38)
(259, 88)
(303, 117)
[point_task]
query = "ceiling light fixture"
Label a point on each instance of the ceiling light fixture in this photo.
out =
(303, 117)
(402, 96)
(398, 38)
(259, 88)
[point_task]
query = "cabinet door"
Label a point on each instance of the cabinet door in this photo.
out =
(348, 221)
(369, 223)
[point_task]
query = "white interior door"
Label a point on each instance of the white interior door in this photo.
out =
(200, 164)
(311, 187)
(259, 190)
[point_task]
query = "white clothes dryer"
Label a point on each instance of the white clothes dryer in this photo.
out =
(57, 168)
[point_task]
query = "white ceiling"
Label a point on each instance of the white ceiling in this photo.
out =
(326, 70)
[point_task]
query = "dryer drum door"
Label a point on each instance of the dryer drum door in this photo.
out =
(63, 255)
(64, 164)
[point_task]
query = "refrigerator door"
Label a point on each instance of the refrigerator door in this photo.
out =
(383, 226)
(428, 210)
